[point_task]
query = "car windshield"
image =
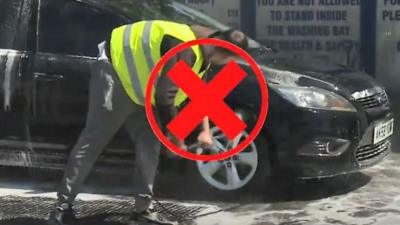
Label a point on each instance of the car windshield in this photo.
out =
(171, 10)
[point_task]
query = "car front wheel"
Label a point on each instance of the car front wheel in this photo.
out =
(248, 169)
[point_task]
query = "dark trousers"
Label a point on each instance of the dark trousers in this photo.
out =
(109, 109)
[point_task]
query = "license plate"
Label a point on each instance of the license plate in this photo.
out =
(383, 131)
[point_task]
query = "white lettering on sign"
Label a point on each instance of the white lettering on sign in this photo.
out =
(328, 28)
(227, 12)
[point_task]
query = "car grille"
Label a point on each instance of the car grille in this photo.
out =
(373, 101)
(365, 154)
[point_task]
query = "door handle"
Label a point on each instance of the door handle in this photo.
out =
(48, 77)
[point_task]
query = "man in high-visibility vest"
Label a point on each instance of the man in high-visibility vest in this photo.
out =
(117, 86)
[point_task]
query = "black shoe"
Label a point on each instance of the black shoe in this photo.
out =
(149, 217)
(62, 215)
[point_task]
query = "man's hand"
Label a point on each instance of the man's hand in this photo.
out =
(205, 139)
(180, 144)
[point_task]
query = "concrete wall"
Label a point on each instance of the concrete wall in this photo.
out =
(227, 11)
(388, 44)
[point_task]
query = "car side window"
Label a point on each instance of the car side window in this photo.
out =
(73, 28)
(14, 19)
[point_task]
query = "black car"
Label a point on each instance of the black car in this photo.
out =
(324, 119)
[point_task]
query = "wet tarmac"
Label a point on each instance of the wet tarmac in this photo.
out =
(370, 197)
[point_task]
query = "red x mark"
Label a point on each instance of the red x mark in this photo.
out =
(206, 100)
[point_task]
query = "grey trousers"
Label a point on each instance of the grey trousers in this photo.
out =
(109, 109)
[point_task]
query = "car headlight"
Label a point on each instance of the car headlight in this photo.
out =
(315, 98)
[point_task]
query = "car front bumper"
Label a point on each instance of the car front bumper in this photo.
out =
(326, 166)
(326, 144)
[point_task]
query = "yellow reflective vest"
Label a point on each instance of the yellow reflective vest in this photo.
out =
(135, 50)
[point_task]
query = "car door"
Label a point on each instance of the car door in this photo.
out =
(68, 34)
(17, 30)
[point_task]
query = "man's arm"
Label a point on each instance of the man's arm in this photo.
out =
(166, 90)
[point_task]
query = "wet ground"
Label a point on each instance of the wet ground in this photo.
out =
(371, 197)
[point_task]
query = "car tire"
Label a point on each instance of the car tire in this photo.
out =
(258, 182)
